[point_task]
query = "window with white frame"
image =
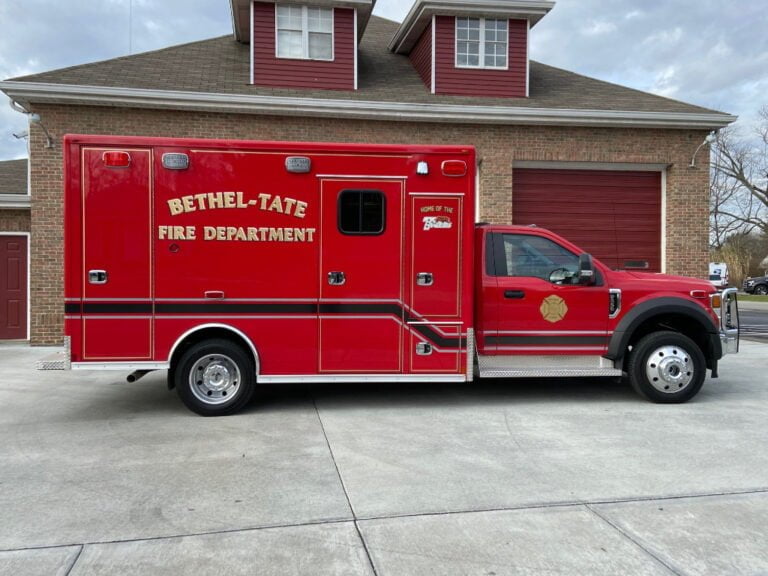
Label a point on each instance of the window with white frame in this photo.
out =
(481, 43)
(304, 32)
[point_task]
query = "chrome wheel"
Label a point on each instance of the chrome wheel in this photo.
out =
(669, 369)
(214, 379)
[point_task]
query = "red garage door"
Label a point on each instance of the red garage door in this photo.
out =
(13, 287)
(615, 216)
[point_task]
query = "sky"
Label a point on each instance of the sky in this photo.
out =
(711, 53)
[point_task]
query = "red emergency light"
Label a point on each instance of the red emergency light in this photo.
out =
(116, 159)
(454, 168)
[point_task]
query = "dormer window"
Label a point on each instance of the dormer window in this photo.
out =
(304, 32)
(481, 43)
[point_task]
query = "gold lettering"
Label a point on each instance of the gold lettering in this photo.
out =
(215, 200)
(275, 234)
(209, 232)
(162, 231)
(299, 234)
(300, 209)
(240, 202)
(252, 234)
(174, 204)
(263, 198)
(191, 233)
(276, 205)
(200, 200)
(221, 233)
(289, 204)
(188, 205)
(229, 200)
(310, 233)
(288, 234)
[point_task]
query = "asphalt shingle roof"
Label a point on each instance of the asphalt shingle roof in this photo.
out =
(13, 176)
(221, 66)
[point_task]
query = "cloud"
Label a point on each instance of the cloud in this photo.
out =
(706, 52)
(598, 28)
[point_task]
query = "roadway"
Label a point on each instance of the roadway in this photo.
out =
(753, 321)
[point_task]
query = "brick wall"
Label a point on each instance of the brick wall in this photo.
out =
(14, 220)
(498, 147)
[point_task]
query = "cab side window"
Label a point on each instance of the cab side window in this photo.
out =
(523, 255)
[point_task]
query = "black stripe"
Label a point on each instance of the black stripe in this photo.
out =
(364, 308)
(550, 340)
(373, 308)
(117, 308)
(442, 341)
(235, 308)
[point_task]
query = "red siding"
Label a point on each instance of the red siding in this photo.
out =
(421, 56)
(615, 216)
(480, 82)
(269, 70)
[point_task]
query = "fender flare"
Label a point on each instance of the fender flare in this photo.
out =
(661, 306)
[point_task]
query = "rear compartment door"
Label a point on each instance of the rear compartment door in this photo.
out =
(361, 276)
(117, 273)
(437, 222)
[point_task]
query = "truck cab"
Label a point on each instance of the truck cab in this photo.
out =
(546, 308)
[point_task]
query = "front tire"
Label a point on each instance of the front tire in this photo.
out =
(761, 290)
(215, 378)
(666, 367)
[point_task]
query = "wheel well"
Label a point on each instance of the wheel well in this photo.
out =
(209, 333)
(681, 323)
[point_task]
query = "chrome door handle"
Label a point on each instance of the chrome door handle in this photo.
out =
(336, 278)
(97, 276)
(425, 279)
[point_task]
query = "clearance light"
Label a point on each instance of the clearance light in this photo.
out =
(116, 159)
(454, 168)
(422, 168)
(717, 301)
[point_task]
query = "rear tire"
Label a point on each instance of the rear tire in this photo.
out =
(666, 367)
(215, 378)
(761, 290)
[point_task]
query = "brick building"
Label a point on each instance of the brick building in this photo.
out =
(608, 167)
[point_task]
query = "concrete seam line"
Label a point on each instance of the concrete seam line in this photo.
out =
(344, 488)
(668, 565)
(74, 561)
(564, 504)
(573, 504)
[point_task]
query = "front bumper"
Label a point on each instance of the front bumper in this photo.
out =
(729, 321)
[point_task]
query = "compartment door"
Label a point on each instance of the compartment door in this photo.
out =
(435, 283)
(361, 276)
(117, 278)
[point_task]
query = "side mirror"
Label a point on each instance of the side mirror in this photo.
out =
(586, 270)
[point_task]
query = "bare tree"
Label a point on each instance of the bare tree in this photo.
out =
(739, 183)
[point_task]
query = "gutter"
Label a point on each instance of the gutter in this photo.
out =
(15, 202)
(46, 93)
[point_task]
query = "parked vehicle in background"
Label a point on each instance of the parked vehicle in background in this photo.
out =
(757, 285)
(718, 275)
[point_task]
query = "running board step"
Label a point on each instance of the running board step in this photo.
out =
(545, 366)
(59, 360)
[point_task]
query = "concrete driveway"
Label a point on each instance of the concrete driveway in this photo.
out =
(98, 476)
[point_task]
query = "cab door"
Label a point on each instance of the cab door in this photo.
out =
(117, 273)
(361, 276)
(540, 308)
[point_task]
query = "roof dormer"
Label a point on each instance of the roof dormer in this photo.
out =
(302, 45)
(471, 47)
